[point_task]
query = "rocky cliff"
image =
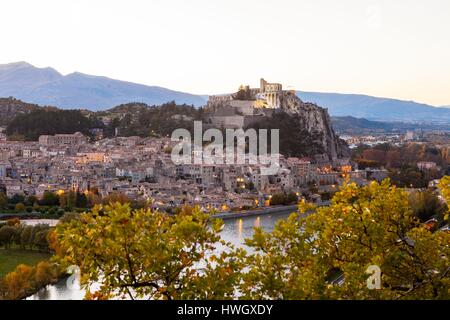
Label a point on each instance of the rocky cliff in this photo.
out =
(11, 107)
(305, 128)
(316, 121)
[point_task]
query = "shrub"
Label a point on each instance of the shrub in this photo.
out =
(277, 199)
(291, 198)
(20, 207)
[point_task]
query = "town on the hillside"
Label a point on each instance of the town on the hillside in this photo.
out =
(141, 168)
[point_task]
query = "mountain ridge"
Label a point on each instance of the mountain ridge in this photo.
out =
(376, 108)
(46, 86)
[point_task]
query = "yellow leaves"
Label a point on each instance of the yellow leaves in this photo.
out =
(97, 295)
(362, 227)
(156, 248)
(25, 278)
(371, 225)
(304, 206)
(444, 187)
(259, 239)
(184, 258)
(346, 210)
(217, 225)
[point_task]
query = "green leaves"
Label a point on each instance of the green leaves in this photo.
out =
(444, 187)
(372, 225)
(316, 253)
(147, 254)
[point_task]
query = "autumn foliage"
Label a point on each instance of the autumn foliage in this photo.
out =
(25, 280)
(320, 255)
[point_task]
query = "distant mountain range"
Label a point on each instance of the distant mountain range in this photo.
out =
(379, 109)
(351, 125)
(46, 86)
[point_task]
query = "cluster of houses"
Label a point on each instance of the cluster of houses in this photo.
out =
(142, 169)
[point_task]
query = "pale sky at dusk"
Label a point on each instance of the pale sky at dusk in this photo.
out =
(398, 49)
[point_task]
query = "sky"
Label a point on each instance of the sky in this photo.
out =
(398, 49)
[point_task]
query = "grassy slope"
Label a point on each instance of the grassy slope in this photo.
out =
(10, 259)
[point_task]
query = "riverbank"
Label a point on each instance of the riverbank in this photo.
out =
(235, 231)
(12, 215)
(27, 216)
(24, 273)
(262, 211)
(256, 212)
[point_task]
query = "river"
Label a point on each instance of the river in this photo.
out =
(235, 231)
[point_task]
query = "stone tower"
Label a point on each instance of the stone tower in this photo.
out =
(271, 92)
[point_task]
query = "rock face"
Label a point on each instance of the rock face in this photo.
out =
(311, 122)
(315, 120)
(11, 107)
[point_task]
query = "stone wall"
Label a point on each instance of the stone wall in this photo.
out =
(232, 122)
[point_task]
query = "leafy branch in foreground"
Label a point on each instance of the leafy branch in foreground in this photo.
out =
(373, 225)
(149, 254)
(444, 186)
(316, 253)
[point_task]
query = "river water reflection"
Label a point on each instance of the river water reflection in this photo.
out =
(234, 231)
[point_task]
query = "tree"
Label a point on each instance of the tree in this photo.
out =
(93, 199)
(68, 216)
(17, 198)
(144, 253)
(116, 197)
(250, 186)
(3, 200)
(243, 94)
(293, 143)
(13, 222)
(444, 187)
(81, 200)
(291, 198)
(69, 199)
(50, 199)
(7, 234)
(24, 280)
(36, 206)
(20, 207)
(31, 200)
(18, 282)
(277, 199)
(371, 225)
(40, 239)
(426, 204)
(44, 273)
(26, 237)
(48, 121)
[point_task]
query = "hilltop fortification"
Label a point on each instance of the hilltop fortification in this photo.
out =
(249, 107)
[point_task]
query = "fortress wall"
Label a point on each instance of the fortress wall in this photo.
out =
(250, 120)
(245, 107)
(234, 122)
